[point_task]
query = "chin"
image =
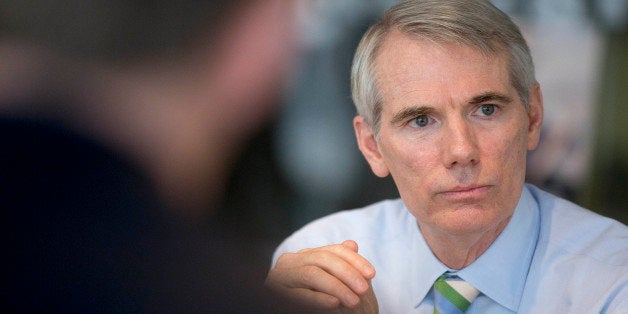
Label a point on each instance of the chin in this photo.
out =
(471, 219)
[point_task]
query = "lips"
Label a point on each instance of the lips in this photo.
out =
(466, 192)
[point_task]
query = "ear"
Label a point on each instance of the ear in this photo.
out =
(369, 146)
(535, 116)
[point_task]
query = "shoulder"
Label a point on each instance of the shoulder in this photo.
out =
(580, 261)
(572, 229)
(373, 222)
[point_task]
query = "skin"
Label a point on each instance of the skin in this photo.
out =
(454, 136)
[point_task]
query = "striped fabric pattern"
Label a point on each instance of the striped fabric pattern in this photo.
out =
(452, 295)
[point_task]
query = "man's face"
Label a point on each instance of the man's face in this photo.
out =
(454, 133)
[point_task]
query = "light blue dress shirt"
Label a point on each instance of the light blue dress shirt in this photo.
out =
(553, 257)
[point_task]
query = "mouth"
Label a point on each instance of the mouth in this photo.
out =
(466, 192)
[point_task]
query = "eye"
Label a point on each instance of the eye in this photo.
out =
(487, 110)
(420, 121)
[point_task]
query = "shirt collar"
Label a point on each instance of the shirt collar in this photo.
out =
(429, 267)
(499, 273)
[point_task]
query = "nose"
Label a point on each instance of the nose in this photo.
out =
(460, 147)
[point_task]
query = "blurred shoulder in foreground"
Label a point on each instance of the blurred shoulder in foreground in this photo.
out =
(118, 122)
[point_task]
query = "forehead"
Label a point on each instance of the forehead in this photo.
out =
(411, 69)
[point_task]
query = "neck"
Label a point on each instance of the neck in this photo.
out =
(458, 251)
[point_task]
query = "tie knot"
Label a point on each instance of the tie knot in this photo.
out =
(452, 294)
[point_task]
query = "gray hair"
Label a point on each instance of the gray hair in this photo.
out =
(474, 23)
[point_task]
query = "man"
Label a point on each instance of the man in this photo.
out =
(118, 124)
(448, 106)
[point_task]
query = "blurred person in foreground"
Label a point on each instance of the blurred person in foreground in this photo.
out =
(448, 105)
(118, 123)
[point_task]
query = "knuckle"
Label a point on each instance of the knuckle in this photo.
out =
(310, 274)
(284, 260)
(325, 256)
(305, 250)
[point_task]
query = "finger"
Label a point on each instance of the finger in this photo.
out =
(368, 304)
(352, 245)
(294, 283)
(347, 252)
(336, 265)
(367, 270)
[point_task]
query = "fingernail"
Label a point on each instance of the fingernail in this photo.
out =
(362, 286)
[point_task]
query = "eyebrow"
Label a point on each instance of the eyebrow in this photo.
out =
(410, 112)
(490, 96)
(417, 111)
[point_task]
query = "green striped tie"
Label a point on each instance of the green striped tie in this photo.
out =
(452, 295)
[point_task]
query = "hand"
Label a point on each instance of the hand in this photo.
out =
(325, 278)
(367, 305)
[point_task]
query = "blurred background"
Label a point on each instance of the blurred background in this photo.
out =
(305, 164)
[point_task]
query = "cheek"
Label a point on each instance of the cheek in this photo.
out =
(412, 167)
(506, 155)
(517, 149)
